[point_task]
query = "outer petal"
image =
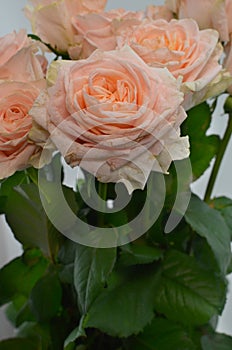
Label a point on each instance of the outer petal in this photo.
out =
(217, 86)
(228, 62)
(11, 43)
(174, 5)
(158, 12)
(18, 161)
(23, 66)
(220, 20)
(38, 134)
(53, 25)
(208, 13)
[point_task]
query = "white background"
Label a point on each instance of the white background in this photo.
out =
(11, 17)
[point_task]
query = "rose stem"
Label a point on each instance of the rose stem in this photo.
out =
(221, 152)
(102, 191)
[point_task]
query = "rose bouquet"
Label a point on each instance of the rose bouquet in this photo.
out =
(104, 128)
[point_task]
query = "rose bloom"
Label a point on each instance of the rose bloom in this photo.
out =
(19, 59)
(24, 66)
(208, 13)
(114, 116)
(16, 99)
(51, 20)
(21, 80)
(11, 43)
(188, 53)
(100, 30)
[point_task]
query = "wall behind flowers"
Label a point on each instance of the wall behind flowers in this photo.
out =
(12, 17)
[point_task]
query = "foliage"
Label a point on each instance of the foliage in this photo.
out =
(158, 290)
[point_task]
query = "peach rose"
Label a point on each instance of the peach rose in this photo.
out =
(16, 99)
(99, 31)
(24, 66)
(11, 43)
(188, 53)
(19, 59)
(114, 116)
(207, 13)
(21, 80)
(51, 20)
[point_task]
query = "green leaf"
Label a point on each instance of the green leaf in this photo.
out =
(32, 174)
(71, 346)
(209, 223)
(18, 311)
(45, 298)
(76, 333)
(163, 334)
(126, 306)
(216, 342)
(14, 306)
(224, 205)
(134, 254)
(66, 257)
(19, 344)
(40, 333)
(229, 270)
(91, 270)
(7, 185)
(27, 269)
(205, 256)
(195, 126)
(67, 252)
(187, 293)
(24, 315)
(66, 274)
(3, 201)
(29, 221)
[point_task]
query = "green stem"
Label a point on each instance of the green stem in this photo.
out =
(189, 244)
(219, 158)
(102, 191)
(63, 55)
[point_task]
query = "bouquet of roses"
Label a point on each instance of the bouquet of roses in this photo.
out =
(104, 119)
